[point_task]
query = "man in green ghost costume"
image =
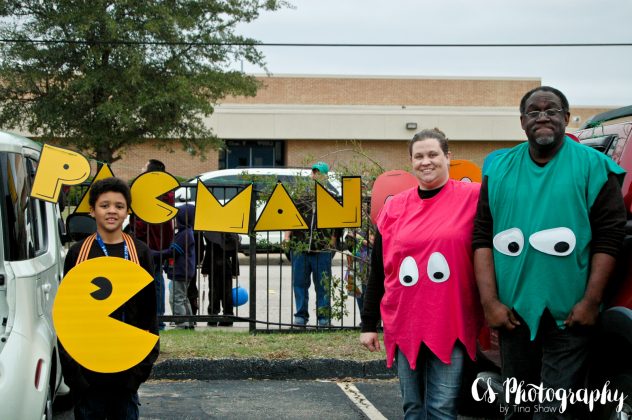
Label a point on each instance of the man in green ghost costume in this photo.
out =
(548, 228)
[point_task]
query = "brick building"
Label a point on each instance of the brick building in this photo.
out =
(297, 119)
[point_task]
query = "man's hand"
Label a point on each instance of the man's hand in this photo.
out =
(584, 313)
(499, 315)
(370, 341)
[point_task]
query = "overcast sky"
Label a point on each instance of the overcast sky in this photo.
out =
(600, 76)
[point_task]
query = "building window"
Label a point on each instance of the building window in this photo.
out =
(251, 153)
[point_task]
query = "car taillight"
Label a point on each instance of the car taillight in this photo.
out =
(38, 372)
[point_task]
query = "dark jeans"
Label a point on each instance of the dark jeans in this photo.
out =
(220, 290)
(557, 358)
(96, 405)
(159, 282)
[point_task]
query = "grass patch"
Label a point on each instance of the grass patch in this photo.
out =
(216, 344)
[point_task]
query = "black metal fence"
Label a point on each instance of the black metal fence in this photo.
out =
(260, 268)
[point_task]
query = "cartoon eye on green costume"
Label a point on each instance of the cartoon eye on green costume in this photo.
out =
(509, 242)
(558, 242)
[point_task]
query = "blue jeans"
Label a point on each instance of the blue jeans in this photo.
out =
(95, 405)
(304, 267)
(431, 391)
(557, 358)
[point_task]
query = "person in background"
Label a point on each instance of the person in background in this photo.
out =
(221, 264)
(357, 273)
(311, 253)
(158, 237)
(421, 282)
(112, 395)
(184, 269)
(549, 225)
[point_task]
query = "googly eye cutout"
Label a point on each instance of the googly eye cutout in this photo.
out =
(408, 272)
(558, 242)
(509, 242)
(438, 268)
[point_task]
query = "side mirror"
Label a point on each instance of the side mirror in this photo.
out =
(80, 226)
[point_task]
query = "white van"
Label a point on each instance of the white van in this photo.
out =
(31, 266)
(226, 183)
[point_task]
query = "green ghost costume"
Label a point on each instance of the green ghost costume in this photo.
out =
(542, 229)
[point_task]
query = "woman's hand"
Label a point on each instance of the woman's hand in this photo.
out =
(370, 341)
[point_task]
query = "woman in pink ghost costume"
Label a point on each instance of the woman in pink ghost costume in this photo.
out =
(422, 282)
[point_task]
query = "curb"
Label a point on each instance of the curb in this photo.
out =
(206, 369)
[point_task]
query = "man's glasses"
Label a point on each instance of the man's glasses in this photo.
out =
(549, 113)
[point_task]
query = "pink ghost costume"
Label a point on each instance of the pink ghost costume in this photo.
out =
(430, 292)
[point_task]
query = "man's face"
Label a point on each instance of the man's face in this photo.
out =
(317, 175)
(544, 131)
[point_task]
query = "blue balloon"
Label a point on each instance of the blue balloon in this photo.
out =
(240, 296)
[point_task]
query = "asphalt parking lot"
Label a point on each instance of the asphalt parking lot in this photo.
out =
(267, 399)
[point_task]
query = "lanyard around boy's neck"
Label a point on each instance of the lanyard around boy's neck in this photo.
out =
(105, 250)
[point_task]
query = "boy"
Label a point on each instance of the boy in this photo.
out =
(112, 395)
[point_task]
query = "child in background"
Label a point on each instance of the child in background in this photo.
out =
(183, 270)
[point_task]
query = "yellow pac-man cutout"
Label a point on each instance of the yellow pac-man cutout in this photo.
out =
(58, 167)
(331, 214)
(86, 298)
(84, 205)
(280, 213)
(145, 192)
(231, 217)
(465, 170)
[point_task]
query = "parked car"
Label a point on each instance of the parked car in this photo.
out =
(31, 266)
(610, 133)
(226, 183)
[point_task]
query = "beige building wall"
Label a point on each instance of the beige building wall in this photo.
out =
(387, 154)
(316, 116)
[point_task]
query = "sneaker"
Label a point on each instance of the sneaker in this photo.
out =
(300, 322)
(324, 322)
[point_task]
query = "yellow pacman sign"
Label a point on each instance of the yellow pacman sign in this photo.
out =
(86, 298)
(465, 170)
(145, 192)
(280, 213)
(58, 167)
(84, 205)
(231, 217)
(331, 214)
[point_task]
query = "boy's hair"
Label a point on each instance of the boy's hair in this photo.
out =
(112, 184)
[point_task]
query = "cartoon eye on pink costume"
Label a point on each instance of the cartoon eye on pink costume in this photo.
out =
(408, 272)
(438, 270)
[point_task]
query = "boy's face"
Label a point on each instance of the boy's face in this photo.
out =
(110, 211)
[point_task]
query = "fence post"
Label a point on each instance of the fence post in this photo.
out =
(253, 262)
